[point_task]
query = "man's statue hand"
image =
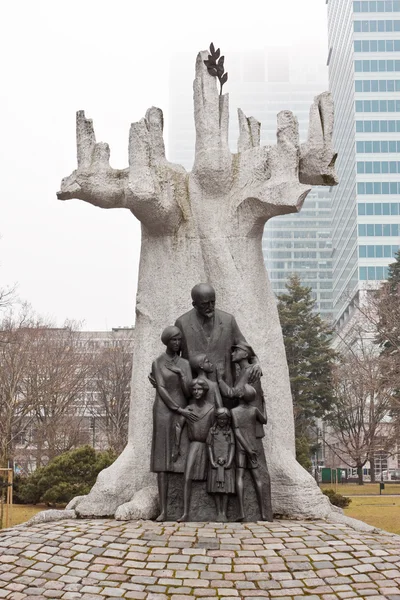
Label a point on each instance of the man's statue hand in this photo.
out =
(152, 380)
(188, 414)
(220, 372)
(238, 392)
(255, 373)
(175, 453)
(253, 457)
(174, 369)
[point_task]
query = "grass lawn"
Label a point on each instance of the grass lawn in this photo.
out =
(368, 489)
(20, 513)
(380, 512)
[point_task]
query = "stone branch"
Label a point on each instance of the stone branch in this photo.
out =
(94, 181)
(317, 157)
(148, 187)
(268, 177)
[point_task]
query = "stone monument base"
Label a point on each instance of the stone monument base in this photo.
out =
(202, 506)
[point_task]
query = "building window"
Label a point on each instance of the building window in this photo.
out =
(376, 6)
(377, 105)
(377, 46)
(378, 208)
(378, 230)
(377, 147)
(375, 66)
(378, 167)
(373, 273)
(374, 26)
(378, 187)
(384, 251)
(377, 85)
(390, 126)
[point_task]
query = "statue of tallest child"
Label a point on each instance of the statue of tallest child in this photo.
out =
(208, 330)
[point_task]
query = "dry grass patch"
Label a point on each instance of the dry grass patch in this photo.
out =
(20, 513)
(368, 489)
(380, 512)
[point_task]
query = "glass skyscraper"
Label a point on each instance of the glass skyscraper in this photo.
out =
(364, 74)
(263, 83)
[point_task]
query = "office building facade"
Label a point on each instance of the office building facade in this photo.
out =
(364, 76)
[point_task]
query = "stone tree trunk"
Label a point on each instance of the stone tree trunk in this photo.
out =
(207, 225)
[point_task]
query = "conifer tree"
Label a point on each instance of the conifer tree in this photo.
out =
(388, 309)
(387, 306)
(310, 359)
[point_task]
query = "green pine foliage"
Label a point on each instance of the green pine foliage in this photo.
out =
(310, 359)
(66, 476)
(394, 273)
(303, 452)
(388, 308)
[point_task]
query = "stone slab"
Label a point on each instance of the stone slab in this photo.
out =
(148, 560)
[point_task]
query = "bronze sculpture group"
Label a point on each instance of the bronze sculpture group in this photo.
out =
(208, 381)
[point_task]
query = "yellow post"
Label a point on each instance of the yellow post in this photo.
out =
(8, 478)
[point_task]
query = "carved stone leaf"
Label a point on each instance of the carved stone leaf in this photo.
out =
(217, 53)
(221, 61)
(224, 78)
(212, 49)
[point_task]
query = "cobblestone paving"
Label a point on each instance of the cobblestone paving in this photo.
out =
(288, 560)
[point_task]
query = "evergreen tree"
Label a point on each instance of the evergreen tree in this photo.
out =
(66, 476)
(310, 359)
(388, 309)
(387, 306)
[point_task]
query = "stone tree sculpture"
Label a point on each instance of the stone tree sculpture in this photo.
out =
(207, 225)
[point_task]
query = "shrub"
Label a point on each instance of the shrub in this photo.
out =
(337, 499)
(303, 452)
(70, 474)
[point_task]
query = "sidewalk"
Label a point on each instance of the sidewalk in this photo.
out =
(289, 560)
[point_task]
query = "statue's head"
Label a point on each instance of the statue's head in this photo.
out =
(199, 388)
(172, 337)
(200, 362)
(203, 300)
(241, 351)
(223, 417)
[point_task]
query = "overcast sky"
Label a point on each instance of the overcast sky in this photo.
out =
(110, 58)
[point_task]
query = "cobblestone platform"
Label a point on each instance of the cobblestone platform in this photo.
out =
(289, 560)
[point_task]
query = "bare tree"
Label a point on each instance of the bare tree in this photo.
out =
(360, 417)
(111, 386)
(16, 332)
(55, 383)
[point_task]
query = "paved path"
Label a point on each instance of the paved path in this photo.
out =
(289, 560)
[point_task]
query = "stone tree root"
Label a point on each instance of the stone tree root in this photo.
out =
(207, 225)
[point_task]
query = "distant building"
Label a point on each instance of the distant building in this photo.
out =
(263, 83)
(85, 416)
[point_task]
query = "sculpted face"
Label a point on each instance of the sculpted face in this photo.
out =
(207, 366)
(198, 391)
(238, 354)
(223, 420)
(174, 344)
(203, 296)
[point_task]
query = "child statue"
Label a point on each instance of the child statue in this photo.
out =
(196, 461)
(202, 367)
(245, 418)
(221, 452)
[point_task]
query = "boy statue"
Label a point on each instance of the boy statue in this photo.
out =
(250, 453)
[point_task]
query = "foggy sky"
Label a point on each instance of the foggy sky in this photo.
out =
(112, 59)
